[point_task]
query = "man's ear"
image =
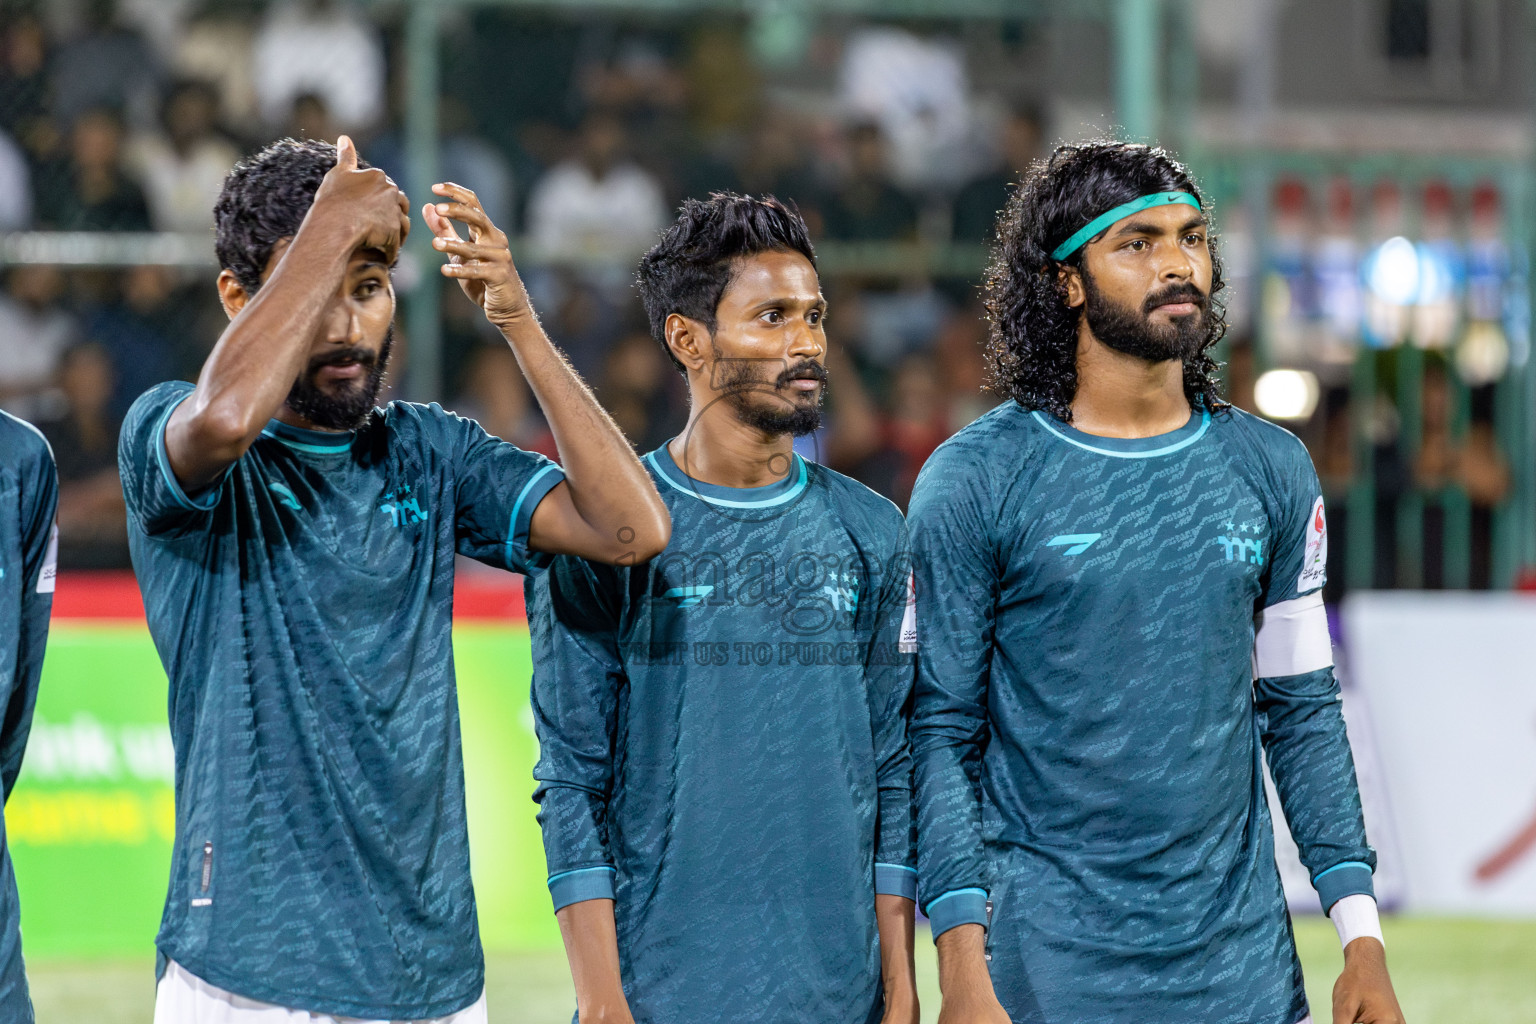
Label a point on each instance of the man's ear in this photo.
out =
(1071, 281)
(687, 339)
(232, 294)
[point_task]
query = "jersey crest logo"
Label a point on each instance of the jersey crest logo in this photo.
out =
(1075, 543)
(402, 509)
(1237, 548)
(285, 496)
(844, 597)
(687, 597)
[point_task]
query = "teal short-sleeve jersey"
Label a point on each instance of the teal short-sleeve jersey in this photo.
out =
(302, 606)
(1111, 635)
(723, 747)
(29, 494)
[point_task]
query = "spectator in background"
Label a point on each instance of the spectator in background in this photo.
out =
(93, 193)
(15, 185)
(960, 349)
(24, 86)
(585, 319)
(598, 205)
(182, 167)
(463, 157)
(977, 204)
(464, 331)
(635, 390)
(107, 66)
(216, 45)
(911, 424)
(1473, 463)
(868, 207)
(311, 119)
(917, 91)
(141, 330)
(497, 397)
(322, 47)
(639, 81)
(723, 84)
(92, 521)
(775, 162)
(35, 330)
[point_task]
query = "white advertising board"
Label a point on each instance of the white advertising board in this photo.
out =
(1449, 682)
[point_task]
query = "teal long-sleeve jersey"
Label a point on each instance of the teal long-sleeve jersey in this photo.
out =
(723, 747)
(1111, 634)
(302, 606)
(29, 497)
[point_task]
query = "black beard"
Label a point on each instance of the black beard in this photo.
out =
(739, 381)
(1133, 332)
(349, 406)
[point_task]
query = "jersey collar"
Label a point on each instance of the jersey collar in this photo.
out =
(776, 493)
(1130, 447)
(314, 442)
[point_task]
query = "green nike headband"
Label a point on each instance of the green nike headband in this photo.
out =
(1120, 212)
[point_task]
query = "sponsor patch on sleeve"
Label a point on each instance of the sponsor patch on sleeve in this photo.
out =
(908, 642)
(1314, 557)
(50, 570)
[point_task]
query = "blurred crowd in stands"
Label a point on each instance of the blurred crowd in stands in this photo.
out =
(580, 136)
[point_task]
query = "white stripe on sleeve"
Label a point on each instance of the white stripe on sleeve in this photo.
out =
(1292, 638)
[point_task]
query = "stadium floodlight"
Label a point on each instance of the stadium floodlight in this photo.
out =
(1286, 394)
(1393, 272)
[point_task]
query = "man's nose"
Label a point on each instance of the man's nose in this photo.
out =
(805, 342)
(342, 326)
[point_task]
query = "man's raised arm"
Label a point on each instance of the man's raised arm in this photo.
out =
(607, 508)
(267, 344)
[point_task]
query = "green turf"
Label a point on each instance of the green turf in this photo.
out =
(1446, 971)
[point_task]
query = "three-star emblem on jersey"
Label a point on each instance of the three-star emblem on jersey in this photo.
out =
(843, 593)
(401, 507)
(1243, 542)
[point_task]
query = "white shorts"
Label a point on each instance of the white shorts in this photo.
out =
(183, 998)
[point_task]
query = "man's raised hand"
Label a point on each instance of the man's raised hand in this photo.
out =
(483, 263)
(365, 200)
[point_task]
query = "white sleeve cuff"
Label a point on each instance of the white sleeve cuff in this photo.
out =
(1355, 917)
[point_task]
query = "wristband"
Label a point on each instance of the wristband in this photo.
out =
(1356, 917)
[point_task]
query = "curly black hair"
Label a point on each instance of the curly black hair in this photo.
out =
(1032, 338)
(264, 200)
(689, 269)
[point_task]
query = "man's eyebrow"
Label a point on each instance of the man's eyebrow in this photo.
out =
(1146, 227)
(788, 300)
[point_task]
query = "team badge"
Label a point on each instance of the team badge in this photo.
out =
(907, 644)
(1314, 559)
(50, 570)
